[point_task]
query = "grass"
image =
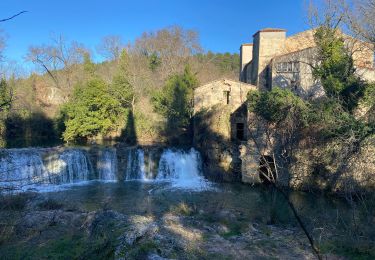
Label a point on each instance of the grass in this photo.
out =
(235, 229)
(349, 250)
(183, 209)
(50, 204)
(142, 250)
(13, 202)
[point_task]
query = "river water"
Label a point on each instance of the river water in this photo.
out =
(158, 182)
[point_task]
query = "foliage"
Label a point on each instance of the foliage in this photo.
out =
(224, 61)
(138, 70)
(174, 100)
(122, 90)
(93, 110)
(5, 104)
(279, 105)
(123, 63)
(5, 96)
(154, 61)
(335, 122)
(88, 65)
(335, 68)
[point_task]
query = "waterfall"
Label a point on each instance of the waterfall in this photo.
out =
(24, 167)
(40, 167)
(107, 165)
(182, 169)
(135, 169)
(21, 167)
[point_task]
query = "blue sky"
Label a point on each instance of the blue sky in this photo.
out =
(222, 25)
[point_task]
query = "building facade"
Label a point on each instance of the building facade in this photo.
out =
(232, 140)
(275, 60)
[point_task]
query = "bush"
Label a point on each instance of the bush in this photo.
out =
(93, 110)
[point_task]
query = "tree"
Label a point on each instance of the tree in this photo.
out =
(88, 66)
(6, 96)
(121, 87)
(174, 100)
(360, 19)
(58, 56)
(2, 46)
(111, 47)
(335, 68)
(6, 99)
(281, 117)
(173, 46)
(92, 111)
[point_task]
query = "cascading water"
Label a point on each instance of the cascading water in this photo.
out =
(182, 169)
(34, 167)
(23, 168)
(135, 165)
(107, 165)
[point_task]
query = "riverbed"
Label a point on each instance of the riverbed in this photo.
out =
(154, 220)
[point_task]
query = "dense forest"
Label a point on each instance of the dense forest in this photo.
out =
(129, 96)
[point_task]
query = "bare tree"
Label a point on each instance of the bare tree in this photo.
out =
(173, 46)
(110, 47)
(58, 57)
(275, 144)
(360, 18)
(2, 46)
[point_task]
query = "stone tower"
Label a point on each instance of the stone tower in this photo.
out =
(268, 43)
(256, 57)
(246, 55)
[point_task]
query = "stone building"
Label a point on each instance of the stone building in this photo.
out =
(273, 59)
(222, 121)
(228, 95)
(220, 125)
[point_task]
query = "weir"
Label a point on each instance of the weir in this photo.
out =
(22, 169)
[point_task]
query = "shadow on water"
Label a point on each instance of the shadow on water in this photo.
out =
(33, 130)
(129, 134)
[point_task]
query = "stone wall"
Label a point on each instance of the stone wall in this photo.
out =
(215, 93)
(246, 55)
(296, 73)
(212, 137)
(271, 44)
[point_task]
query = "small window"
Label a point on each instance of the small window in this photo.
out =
(290, 66)
(240, 131)
(284, 67)
(278, 67)
(296, 66)
(226, 96)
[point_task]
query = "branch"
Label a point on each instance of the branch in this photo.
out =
(10, 18)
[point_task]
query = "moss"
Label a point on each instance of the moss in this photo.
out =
(142, 250)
